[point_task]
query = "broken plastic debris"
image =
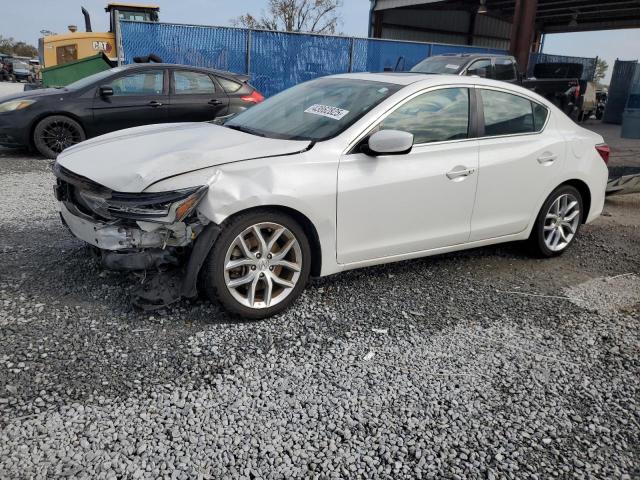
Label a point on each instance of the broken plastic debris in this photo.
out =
(369, 356)
(383, 331)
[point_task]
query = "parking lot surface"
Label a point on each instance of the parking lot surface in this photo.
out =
(9, 88)
(480, 364)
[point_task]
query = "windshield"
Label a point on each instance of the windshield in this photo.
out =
(96, 77)
(315, 110)
(451, 65)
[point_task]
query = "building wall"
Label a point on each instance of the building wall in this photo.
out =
(444, 26)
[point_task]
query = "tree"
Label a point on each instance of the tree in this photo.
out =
(20, 49)
(601, 70)
(315, 16)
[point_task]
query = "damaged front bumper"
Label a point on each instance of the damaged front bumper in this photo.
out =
(117, 236)
(170, 253)
(172, 269)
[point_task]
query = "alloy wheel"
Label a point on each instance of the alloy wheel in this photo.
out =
(262, 265)
(59, 135)
(561, 222)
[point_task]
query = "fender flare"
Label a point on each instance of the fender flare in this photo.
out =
(204, 243)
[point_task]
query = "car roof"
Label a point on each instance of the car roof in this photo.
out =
(133, 66)
(433, 80)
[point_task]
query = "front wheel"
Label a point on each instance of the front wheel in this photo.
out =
(259, 264)
(558, 222)
(53, 134)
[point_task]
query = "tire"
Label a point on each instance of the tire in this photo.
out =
(256, 272)
(55, 133)
(557, 223)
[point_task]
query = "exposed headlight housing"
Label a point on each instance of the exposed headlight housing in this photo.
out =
(13, 105)
(160, 207)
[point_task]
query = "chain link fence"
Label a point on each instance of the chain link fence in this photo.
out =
(275, 60)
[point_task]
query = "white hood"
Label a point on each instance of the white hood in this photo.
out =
(130, 160)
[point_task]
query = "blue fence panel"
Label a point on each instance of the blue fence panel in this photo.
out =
(370, 55)
(280, 60)
(275, 60)
(219, 47)
(589, 64)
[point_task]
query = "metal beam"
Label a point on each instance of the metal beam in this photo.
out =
(524, 21)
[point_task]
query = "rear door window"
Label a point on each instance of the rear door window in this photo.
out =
(185, 83)
(506, 114)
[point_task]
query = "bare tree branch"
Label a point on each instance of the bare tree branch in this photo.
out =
(315, 16)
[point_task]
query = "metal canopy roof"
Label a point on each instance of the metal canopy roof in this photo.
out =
(553, 16)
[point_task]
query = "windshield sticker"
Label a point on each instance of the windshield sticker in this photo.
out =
(452, 67)
(327, 111)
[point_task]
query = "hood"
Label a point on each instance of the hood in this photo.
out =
(38, 92)
(131, 160)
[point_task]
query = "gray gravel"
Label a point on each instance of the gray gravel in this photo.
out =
(447, 367)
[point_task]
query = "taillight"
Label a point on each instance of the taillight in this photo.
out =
(604, 151)
(255, 97)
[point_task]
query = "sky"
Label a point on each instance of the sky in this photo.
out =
(23, 20)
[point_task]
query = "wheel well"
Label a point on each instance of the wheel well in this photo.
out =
(37, 120)
(583, 188)
(308, 227)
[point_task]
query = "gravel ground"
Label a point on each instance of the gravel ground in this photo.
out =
(482, 364)
(9, 88)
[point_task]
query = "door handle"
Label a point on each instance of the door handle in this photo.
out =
(460, 173)
(155, 103)
(547, 159)
(215, 102)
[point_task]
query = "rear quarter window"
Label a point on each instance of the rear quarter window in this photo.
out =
(229, 86)
(540, 114)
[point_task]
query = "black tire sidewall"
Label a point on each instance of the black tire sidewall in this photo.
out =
(39, 143)
(213, 283)
(537, 237)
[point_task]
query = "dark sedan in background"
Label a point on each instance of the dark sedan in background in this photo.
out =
(53, 119)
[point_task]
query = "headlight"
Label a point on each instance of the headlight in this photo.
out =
(15, 105)
(161, 207)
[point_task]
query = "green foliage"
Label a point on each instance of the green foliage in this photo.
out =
(20, 49)
(601, 70)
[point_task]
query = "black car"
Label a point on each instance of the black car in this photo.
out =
(53, 119)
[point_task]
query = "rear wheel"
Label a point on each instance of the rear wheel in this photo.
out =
(259, 264)
(53, 134)
(558, 222)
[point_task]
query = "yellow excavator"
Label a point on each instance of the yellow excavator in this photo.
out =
(72, 46)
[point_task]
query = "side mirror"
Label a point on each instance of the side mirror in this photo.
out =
(478, 72)
(106, 91)
(390, 142)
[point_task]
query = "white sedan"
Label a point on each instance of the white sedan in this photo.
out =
(333, 174)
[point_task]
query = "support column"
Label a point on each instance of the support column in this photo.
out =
(522, 30)
(377, 24)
